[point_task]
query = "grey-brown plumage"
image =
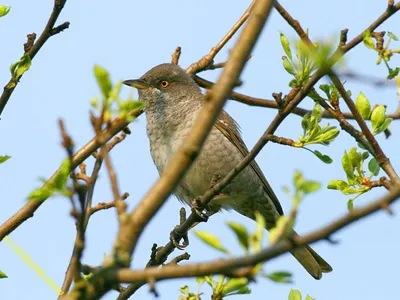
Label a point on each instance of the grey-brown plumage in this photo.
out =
(173, 101)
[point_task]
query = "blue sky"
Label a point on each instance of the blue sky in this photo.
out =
(129, 37)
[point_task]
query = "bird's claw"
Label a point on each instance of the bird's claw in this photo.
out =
(201, 213)
(175, 236)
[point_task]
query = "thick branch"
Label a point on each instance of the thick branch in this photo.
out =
(232, 267)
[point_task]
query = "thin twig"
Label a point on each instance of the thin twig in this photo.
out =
(31, 49)
(207, 60)
(176, 55)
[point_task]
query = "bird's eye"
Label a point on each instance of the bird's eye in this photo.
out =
(164, 84)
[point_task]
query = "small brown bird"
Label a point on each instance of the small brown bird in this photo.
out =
(172, 102)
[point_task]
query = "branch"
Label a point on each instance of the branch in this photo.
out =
(31, 48)
(30, 207)
(207, 60)
(233, 267)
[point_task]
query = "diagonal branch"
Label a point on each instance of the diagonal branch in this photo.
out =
(236, 267)
(31, 48)
(30, 207)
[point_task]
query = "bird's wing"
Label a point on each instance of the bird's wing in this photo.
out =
(230, 129)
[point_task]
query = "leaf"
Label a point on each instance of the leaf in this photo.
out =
(325, 158)
(20, 67)
(355, 158)
(243, 291)
(393, 73)
(283, 227)
(377, 117)
(40, 194)
(211, 240)
(285, 45)
(305, 123)
(363, 105)
(3, 275)
(347, 166)
(4, 10)
(280, 276)
(184, 290)
(61, 178)
(310, 186)
(328, 136)
(326, 88)
(350, 204)
(337, 185)
(294, 295)
(103, 80)
(288, 66)
(241, 234)
(385, 125)
(234, 284)
(4, 158)
(393, 36)
(374, 167)
(367, 39)
(309, 298)
(317, 112)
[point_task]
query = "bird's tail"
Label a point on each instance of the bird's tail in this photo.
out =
(314, 264)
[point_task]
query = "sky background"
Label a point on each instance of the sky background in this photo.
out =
(128, 38)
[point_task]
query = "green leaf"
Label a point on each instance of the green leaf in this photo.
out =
(103, 80)
(393, 36)
(3, 275)
(40, 194)
(241, 234)
(4, 10)
(393, 73)
(365, 155)
(234, 284)
(355, 158)
(20, 67)
(211, 240)
(280, 276)
(309, 298)
(305, 123)
(363, 105)
(185, 290)
(294, 295)
(243, 291)
(350, 204)
(317, 112)
(347, 166)
(377, 117)
(328, 136)
(310, 186)
(283, 227)
(4, 158)
(367, 39)
(61, 179)
(385, 125)
(325, 158)
(337, 185)
(288, 66)
(286, 45)
(326, 88)
(209, 280)
(374, 167)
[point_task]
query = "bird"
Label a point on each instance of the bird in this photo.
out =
(172, 101)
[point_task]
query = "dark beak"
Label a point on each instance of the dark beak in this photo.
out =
(137, 83)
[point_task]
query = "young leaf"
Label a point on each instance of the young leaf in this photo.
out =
(288, 66)
(350, 204)
(363, 106)
(367, 39)
(355, 158)
(373, 167)
(385, 125)
(286, 45)
(234, 284)
(309, 298)
(393, 36)
(40, 194)
(4, 158)
(61, 179)
(20, 67)
(103, 80)
(377, 117)
(211, 240)
(310, 186)
(241, 234)
(337, 185)
(325, 158)
(3, 275)
(294, 295)
(4, 10)
(280, 276)
(347, 166)
(185, 290)
(393, 73)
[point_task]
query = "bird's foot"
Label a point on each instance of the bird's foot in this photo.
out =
(202, 213)
(175, 237)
